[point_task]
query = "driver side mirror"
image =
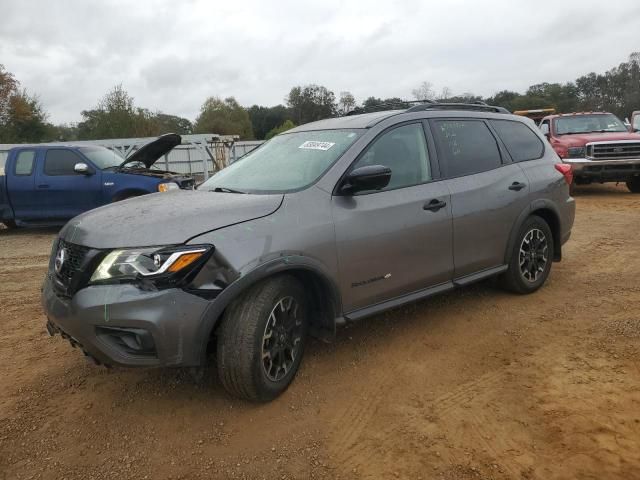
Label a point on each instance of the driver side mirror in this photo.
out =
(82, 168)
(545, 129)
(371, 177)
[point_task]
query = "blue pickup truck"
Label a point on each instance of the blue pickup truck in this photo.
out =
(49, 184)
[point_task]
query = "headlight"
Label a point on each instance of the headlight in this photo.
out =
(149, 263)
(575, 152)
(165, 187)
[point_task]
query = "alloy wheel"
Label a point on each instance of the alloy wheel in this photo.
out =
(282, 339)
(533, 256)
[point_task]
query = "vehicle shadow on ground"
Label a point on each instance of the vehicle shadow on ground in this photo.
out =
(364, 335)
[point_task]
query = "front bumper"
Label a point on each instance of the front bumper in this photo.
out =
(612, 170)
(165, 321)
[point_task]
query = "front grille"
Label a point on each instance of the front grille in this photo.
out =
(613, 150)
(73, 262)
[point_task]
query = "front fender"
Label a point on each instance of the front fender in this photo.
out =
(285, 263)
(118, 186)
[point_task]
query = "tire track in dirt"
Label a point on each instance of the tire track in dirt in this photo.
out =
(353, 446)
(452, 388)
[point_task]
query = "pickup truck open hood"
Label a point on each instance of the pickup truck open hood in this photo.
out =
(165, 218)
(149, 153)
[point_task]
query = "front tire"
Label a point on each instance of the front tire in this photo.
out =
(261, 340)
(531, 259)
(633, 184)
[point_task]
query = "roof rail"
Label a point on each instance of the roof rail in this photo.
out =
(379, 107)
(478, 106)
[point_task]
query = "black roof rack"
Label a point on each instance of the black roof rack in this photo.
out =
(422, 105)
(477, 106)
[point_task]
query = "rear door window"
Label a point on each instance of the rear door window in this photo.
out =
(61, 162)
(468, 146)
(522, 144)
(24, 162)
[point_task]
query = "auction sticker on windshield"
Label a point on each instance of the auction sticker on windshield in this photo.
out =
(311, 145)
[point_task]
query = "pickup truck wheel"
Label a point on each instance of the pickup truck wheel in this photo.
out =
(9, 224)
(531, 259)
(633, 184)
(262, 338)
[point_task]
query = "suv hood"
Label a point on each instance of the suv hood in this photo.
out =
(168, 218)
(581, 139)
(149, 153)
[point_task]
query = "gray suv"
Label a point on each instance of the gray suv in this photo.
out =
(330, 222)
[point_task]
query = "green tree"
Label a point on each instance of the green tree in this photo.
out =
(504, 98)
(116, 116)
(224, 117)
(265, 119)
(22, 117)
(375, 104)
(8, 88)
(165, 123)
(287, 125)
(311, 103)
(347, 103)
(61, 133)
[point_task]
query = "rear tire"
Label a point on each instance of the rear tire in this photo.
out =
(633, 184)
(261, 340)
(531, 259)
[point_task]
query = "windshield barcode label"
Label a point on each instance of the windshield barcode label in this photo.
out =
(310, 145)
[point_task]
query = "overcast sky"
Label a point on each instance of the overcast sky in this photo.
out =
(171, 55)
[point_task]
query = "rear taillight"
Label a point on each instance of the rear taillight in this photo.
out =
(566, 172)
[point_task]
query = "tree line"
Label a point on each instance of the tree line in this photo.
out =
(24, 119)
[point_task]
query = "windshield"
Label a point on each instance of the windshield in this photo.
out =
(589, 124)
(290, 161)
(636, 122)
(102, 157)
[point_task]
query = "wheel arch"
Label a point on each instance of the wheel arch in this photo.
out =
(326, 303)
(546, 210)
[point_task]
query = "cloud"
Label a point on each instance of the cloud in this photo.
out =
(171, 56)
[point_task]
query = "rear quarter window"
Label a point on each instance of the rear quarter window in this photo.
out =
(520, 141)
(24, 162)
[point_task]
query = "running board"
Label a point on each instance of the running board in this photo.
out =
(421, 294)
(396, 302)
(475, 277)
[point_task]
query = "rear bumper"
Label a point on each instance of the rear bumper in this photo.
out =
(123, 325)
(611, 170)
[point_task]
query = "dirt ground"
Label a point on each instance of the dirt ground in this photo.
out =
(477, 383)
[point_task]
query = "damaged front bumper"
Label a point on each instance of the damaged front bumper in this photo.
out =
(125, 325)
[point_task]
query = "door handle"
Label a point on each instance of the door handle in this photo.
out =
(43, 186)
(517, 186)
(434, 205)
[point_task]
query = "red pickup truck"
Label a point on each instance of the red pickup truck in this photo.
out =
(597, 145)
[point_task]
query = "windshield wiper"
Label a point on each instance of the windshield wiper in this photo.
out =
(227, 190)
